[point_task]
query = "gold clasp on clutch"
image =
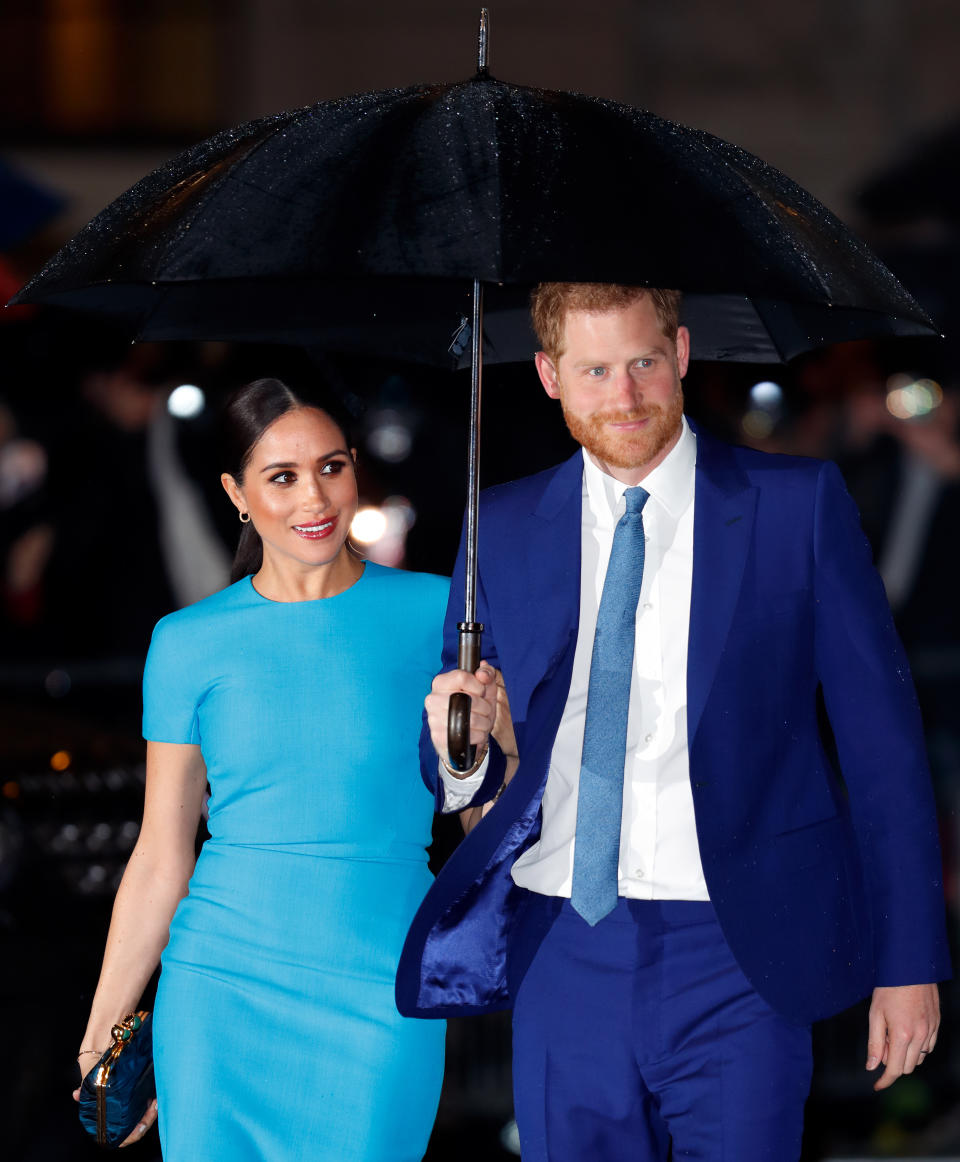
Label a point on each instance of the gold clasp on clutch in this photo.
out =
(127, 1027)
(121, 1033)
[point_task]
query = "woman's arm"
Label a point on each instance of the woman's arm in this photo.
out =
(154, 882)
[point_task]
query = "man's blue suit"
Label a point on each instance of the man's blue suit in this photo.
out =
(824, 886)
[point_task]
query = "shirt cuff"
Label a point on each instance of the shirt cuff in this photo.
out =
(457, 793)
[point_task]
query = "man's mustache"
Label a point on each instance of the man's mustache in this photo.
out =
(627, 417)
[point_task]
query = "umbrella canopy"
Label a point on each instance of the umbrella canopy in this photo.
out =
(373, 222)
(361, 223)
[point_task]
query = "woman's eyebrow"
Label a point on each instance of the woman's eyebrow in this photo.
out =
(293, 464)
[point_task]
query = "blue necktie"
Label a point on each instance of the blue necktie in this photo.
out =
(600, 798)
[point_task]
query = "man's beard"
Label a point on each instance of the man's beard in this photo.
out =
(627, 449)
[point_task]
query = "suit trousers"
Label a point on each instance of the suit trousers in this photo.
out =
(643, 1031)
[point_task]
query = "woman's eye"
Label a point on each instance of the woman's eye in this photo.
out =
(282, 478)
(333, 467)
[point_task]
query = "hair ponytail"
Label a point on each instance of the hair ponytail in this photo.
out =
(249, 555)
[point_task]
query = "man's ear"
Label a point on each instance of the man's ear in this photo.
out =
(548, 374)
(683, 351)
(232, 489)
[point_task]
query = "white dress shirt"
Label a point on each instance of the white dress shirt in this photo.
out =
(659, 853)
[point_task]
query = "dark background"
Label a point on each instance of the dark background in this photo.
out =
(93, 93)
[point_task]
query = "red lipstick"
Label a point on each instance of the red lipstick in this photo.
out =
(316, 530)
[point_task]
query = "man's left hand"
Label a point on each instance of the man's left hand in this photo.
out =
(903, 1026)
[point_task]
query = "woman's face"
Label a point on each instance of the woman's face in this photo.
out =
(300, 489)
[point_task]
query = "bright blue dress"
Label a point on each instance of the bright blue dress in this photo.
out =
(276, 1036)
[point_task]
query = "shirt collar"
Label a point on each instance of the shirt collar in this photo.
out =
(671, 483)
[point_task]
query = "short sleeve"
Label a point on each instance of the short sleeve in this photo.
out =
(171, 685)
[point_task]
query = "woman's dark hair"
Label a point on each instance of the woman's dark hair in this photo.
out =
(247, 415)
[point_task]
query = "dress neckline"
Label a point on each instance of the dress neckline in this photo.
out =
(309, 600)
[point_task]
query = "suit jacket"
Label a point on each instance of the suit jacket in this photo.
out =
(824, 883)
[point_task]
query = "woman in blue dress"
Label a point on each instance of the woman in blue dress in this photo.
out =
(296, 695)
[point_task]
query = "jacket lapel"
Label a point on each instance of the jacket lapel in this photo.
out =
(551, 562)
(723, 526)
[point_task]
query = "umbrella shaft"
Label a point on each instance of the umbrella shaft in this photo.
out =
(461, 753)
(473, 477)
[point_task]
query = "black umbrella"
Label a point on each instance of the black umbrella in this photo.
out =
(377, 222)
(363, 221)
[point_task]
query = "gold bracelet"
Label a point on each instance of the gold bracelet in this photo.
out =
(98, 1052)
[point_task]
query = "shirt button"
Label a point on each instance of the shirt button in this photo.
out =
(648, 605)
(638, 872)
(648, 738)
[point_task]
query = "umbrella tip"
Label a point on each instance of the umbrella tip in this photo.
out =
(483, 38)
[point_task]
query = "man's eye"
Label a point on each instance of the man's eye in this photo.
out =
(596, 372)
(644, 362)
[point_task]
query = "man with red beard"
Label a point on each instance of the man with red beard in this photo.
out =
(665, 876)
(623, 357)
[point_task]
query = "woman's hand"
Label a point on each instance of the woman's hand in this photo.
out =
(154, 882)
(87, 1062)
(149, 1117)
(84, 1070)
(88, 1058)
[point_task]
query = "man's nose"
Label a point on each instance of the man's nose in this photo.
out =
(626, 390)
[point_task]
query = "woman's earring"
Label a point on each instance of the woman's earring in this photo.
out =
(244, 518)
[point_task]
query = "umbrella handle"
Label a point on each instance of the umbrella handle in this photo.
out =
(461, 755)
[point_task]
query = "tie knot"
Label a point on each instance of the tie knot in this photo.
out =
(636, 498)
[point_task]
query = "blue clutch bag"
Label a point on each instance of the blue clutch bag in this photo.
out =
(115, 1094)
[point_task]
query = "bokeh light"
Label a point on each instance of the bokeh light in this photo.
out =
(909, 398)
(401, 515)
(60, 760)
(368, 526)
(757, 423)
(382, 530)
(57, 683)
(766, 394)
(186, 401)
(389, 436)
